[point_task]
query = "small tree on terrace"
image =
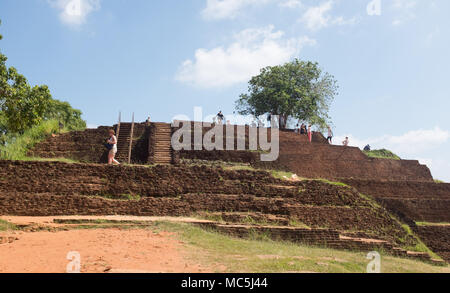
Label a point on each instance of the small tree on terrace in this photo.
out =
(297, 89)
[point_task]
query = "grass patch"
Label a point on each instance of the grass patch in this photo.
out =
(239, 167)
(382, 154)
(62, 160)
(438, 181)
(332, 182)
(432, 224)
(213, 217)
(262, 255)
(122, 197)
(7, 226)
(17, 147)
(420, 246)
(281, 174)
(297, 224)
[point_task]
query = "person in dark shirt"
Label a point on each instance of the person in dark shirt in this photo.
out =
(220, 117)
(303, 129)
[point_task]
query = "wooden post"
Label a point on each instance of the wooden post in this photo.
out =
(131, 140)
(118, 127)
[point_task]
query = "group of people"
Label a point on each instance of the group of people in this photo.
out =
(305, 130)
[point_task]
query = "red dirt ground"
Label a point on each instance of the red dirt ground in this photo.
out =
(102, 250)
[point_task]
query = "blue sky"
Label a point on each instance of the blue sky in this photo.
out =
(162, 58)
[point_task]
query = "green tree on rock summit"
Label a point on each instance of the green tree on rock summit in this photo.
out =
(298, 89)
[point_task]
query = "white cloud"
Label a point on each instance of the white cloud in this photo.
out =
(290, 4)
(74, 12)
(440, 168)
(412, 143)
(416, 144)
(318, 17)
(405, 11)
(251, 50)
(227, 9)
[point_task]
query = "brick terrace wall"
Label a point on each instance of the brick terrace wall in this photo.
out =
(310, 160)
(413, 201)
(317, 159)
(437, 238)
(234, 155)
(53, 188)
(85, 146)
(335, 162)
(325, 237)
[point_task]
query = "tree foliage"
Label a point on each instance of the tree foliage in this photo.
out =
(64, 113)
(297, 89)
(24, 106)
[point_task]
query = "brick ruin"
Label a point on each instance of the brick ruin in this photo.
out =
(341, 215)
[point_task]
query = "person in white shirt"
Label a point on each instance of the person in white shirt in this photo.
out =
(330, 135)
(345, 142)
(112, 153)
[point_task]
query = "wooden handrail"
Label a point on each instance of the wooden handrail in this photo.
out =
(118, 127)
(131, 140)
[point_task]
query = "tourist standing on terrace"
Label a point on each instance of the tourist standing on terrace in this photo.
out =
(220, 117)
(303, 129)
(309, 133)
(345, 142)
(330, 135)
(112, 153)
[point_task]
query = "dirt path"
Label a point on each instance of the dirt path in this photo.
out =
(49, 221)
(101, 250)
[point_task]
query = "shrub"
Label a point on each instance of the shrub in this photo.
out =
(16, 147)
(382, 154)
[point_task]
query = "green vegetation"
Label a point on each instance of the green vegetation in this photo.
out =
(432, 224)
(297, 224)
(298, 89)
(239, 167)
(419, 246)
(263, 255)
(332, 182)
(382, 154)
(16, 147)
(6, 226)
(62, 160)
(23, 107)
(281, 174)
(438, 181)
(123, 197)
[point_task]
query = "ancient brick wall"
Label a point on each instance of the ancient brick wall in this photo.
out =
(437, 238)
(335, 162)
(84, 146)
(317, 159)
(310, 160)
(87, 146)
(413, 201)
(53, 188)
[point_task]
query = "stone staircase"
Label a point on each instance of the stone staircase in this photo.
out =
(162, 143)
(123, 142)
(323, 237)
